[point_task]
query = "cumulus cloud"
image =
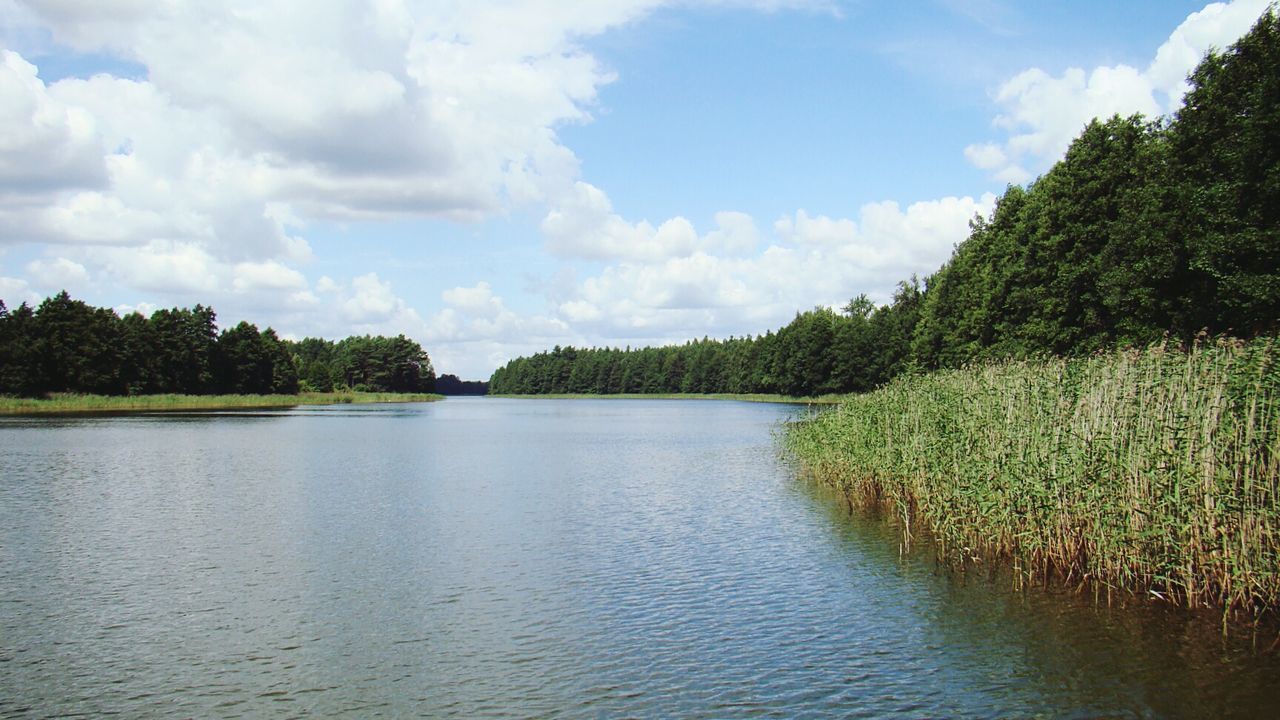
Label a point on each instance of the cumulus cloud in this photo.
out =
(350, 109)
(178, 268)
(57, 274)
(722, 288)
(252, 120)
(478, 301)
(736, 235)
(327, 284)
(347, 110)
(1213, 28)
(371, 302)
(477, 332)
(269, 275)
(583, 225)
(1041, 113)
(15, 291)
(45, 145)
(986, 156)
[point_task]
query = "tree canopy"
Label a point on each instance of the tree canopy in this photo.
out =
(66, 345)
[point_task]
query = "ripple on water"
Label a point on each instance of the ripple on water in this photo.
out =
(523, 559)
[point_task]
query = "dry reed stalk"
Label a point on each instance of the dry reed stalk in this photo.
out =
(1150, 471)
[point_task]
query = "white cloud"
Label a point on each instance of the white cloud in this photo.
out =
(736, 235)
(477, 301)
(253, 119)
(583, 225)
(477, 332)
(987, 156)
(1215, 27)
(57, 274)
(45, 145)
(818, 231)
(162, 266)
(15, 291)
(302, 300)
(811, 259)
(732, 281)
(1042, 113)
(371, 301)
(93, 218)
(269, 275)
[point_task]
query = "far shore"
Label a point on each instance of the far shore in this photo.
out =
(74, 403)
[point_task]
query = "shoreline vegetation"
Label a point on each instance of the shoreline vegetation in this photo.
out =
(742, 397)
(76, 403)
(1151, 472)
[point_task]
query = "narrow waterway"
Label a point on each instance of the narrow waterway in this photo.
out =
(526, 558)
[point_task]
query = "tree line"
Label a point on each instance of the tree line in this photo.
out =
(67, 345)
(1146, 229)
(453, 385)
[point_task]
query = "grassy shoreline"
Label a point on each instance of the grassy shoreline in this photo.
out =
(743, 397)
(73, 403)
(1152, 472)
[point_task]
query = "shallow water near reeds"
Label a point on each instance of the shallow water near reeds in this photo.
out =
(528, 558)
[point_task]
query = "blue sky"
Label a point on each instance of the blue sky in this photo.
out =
(494, 178)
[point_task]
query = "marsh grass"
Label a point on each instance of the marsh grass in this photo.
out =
(1145, 471)
(744, 397)
(69, 403)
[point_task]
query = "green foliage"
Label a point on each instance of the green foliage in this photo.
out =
(1142, 230)
(1226, 157)
(820, 352)
(75, 346)
(68, 346)
(378, 364)
(183, 342)
(249, 362)
(453, 385)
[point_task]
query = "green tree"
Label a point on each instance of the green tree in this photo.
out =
(382, 364)
(853, 348)
(19, 371)
(284, 368)
(137, 358)
(1226, 154)
(78, 346)
(185, 341)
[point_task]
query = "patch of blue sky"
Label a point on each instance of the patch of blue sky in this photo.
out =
(55, 65)
(715, 109)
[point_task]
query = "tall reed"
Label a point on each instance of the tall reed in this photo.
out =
(1152, 470)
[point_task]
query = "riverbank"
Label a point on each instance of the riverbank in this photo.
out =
(743, 397)
(1154, 472)
(71, 403)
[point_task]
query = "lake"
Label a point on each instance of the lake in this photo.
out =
(528, 558)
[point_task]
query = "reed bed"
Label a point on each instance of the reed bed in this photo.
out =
(68, 403)
(1149, 471)
(742, 397)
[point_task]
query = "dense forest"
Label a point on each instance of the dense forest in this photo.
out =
(453, 385)
(66, 345)
(1146, 229)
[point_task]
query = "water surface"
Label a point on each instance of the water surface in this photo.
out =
(522, 558)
